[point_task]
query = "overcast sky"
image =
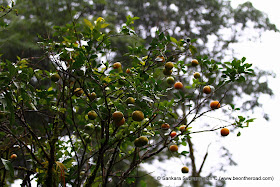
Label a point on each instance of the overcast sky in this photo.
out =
(257, 150)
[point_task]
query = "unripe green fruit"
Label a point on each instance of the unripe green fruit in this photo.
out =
(84, 135)
(137, 142)
(167, 72)
(117, 116)
(137, 115)
(92, 96)
(170, 80)
(196, 75)
(55, 77)
(194, 62)
(130, 100)
(89, 127)
(120, 123)
(141, 141)
(87, 139)
(169, 65)
(92, 115)
(2, 115)
(78, 92)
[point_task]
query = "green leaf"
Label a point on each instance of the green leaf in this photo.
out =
(9, 101)
(239, 133)
(241, 118)
(250, 120)
(8, 167)
(193, 40)
(11, 69)
(88, 23)
(173, 40)
(193, 49)
(143, 183)
(184, 153)
(232, 106)
(161, 36)
(241, 79)
(104, 25)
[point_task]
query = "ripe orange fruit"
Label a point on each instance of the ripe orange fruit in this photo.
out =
(169, 65)
(196, 75)
(183, 128)
(194, 62)
(173, 133)
(215, 105)
(13, 156)
(178, 85)
(78, 92)
(120, 123)
(173, 148)
(206, 89)
(137, 115)
(160, 59)
(117, 116)
(55, 77)
(167, 72)
(165, 126)
(224, 131)
(117, 65)
(128, 71)
(92, 115)
(185, 169)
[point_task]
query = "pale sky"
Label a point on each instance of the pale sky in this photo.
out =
(256, 150)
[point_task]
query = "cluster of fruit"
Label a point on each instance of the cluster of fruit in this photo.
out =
(119, 119)
(179, 85)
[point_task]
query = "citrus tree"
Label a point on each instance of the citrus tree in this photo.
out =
(91, 121)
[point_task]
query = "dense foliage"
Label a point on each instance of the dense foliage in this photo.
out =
(78, 122)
